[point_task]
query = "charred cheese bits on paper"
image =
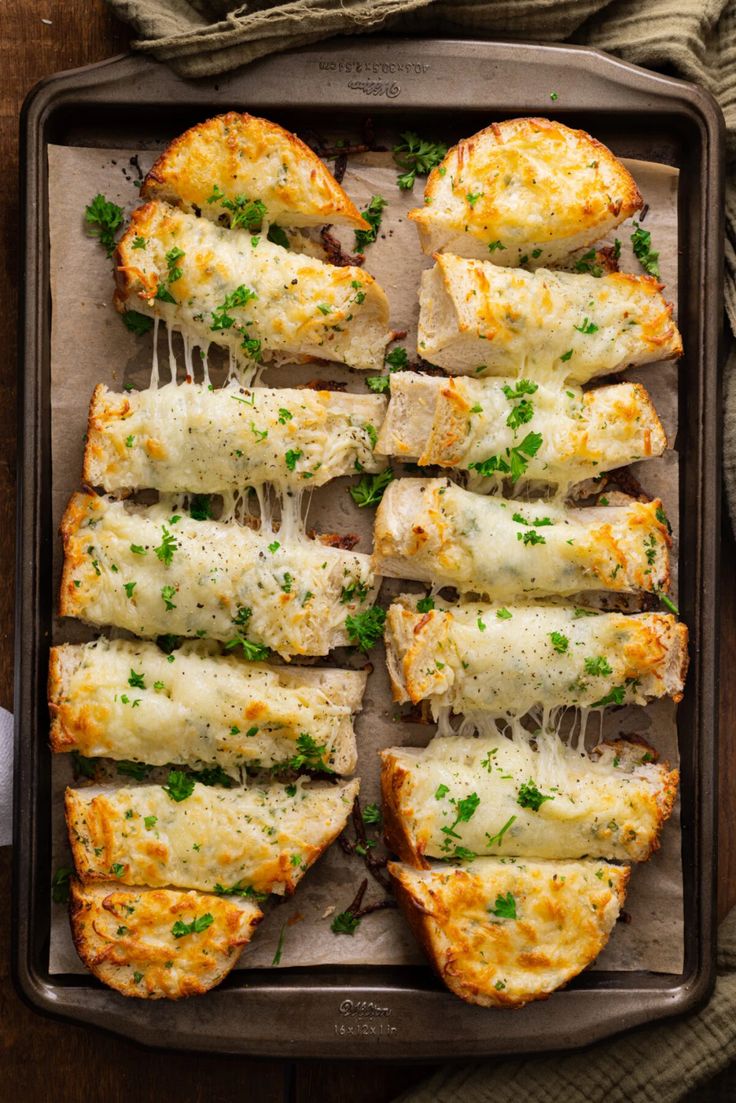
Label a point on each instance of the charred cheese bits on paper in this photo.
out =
(262, 838)
(507, 660)
(128, 700)
(524, 191)
(247, 172)
(478, 319)
(155, 572)
(500, 934)
(462, 797)
(189, 437)
(434, 531)
(478, 425)
(239, 290)
(159, 943)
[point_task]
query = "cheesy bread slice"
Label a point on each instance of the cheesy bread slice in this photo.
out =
(259, 839)
(524, 192)
(189, 437)
(242, 292)
(473, 423)
(155, 572)
(497, 797)
(501, 934)
(159, 943)
(224, 167)
(434, 531)
(498, 660)
(128, 700)
(478, 319)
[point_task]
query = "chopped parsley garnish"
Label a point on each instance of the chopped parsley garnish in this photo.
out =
(167, 593)
(280, 946)
(371, 814)
(497, 839)
(530, 797)
(239, 889)
(167, 547)
(117, 869)
(503, 614)
(136, 322)
(425, 604)
(150, 822)
(397, 359)
(667, 602)
(531, 537)
(136, 680)
(566, 355)
(372, 214)
(524, 386)
(284, 415)
(129, 587)
(324, 308)
(615, 697)
(253, 652)
(537, 523)
(310, 754)
(60, 885)
(213, 775)
(641, 241)
(274, 547)
(520, 414)
(515, 460)
(464, 810)
(345, 923)
(291, 457)
(241, 296)
(200, 507)
(201, 923)
(598, 667)
(107, 217)
(137, 770)
(370, 489)
(366, 628)
(587, 327)
(505, 907)
(441, 791)
(179, 785)
(277, 236)
(560, 642)
(417, 157)
(245, 212)
(379, 384)
(493, 245)
(589, 263)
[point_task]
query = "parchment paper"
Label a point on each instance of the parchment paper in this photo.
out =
(90, 345)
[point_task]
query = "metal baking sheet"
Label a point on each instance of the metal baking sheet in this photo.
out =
(361, 1010)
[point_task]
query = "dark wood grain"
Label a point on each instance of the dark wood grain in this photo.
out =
(42, 1060)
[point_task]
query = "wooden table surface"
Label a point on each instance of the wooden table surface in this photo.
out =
(41, 1060)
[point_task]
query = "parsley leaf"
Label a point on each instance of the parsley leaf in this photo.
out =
(200, 507)
(345, 923)
(560, 642)
(505, 907)
(598, 667)
(278, 236)
(641, 240)
(417, 157)
(366, 628)
(136, 322)
(136, 680)
(379, 384)
(530, 797)
(60, 885)
(373, 215)
(615, 697)
(291, 457)
(425, 604)
(167, 547)
(107, 217)
(179, 785)
(310, 754)
(201, 923)
(371, 814)
(397, 359)
(370, 489)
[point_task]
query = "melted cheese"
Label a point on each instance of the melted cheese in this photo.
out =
(486, 658)
(524, 191)
(612, 806)
(434, 531)
(127, 938)
(300, 307)
(261, 836)
(477, 319)
(500, 934)
(189, 437)
(239, 155)
(296, 590)
(126, 699)
(461, 422)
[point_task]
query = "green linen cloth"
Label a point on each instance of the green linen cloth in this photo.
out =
(694, 39)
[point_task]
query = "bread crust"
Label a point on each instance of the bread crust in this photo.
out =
(218, 150)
